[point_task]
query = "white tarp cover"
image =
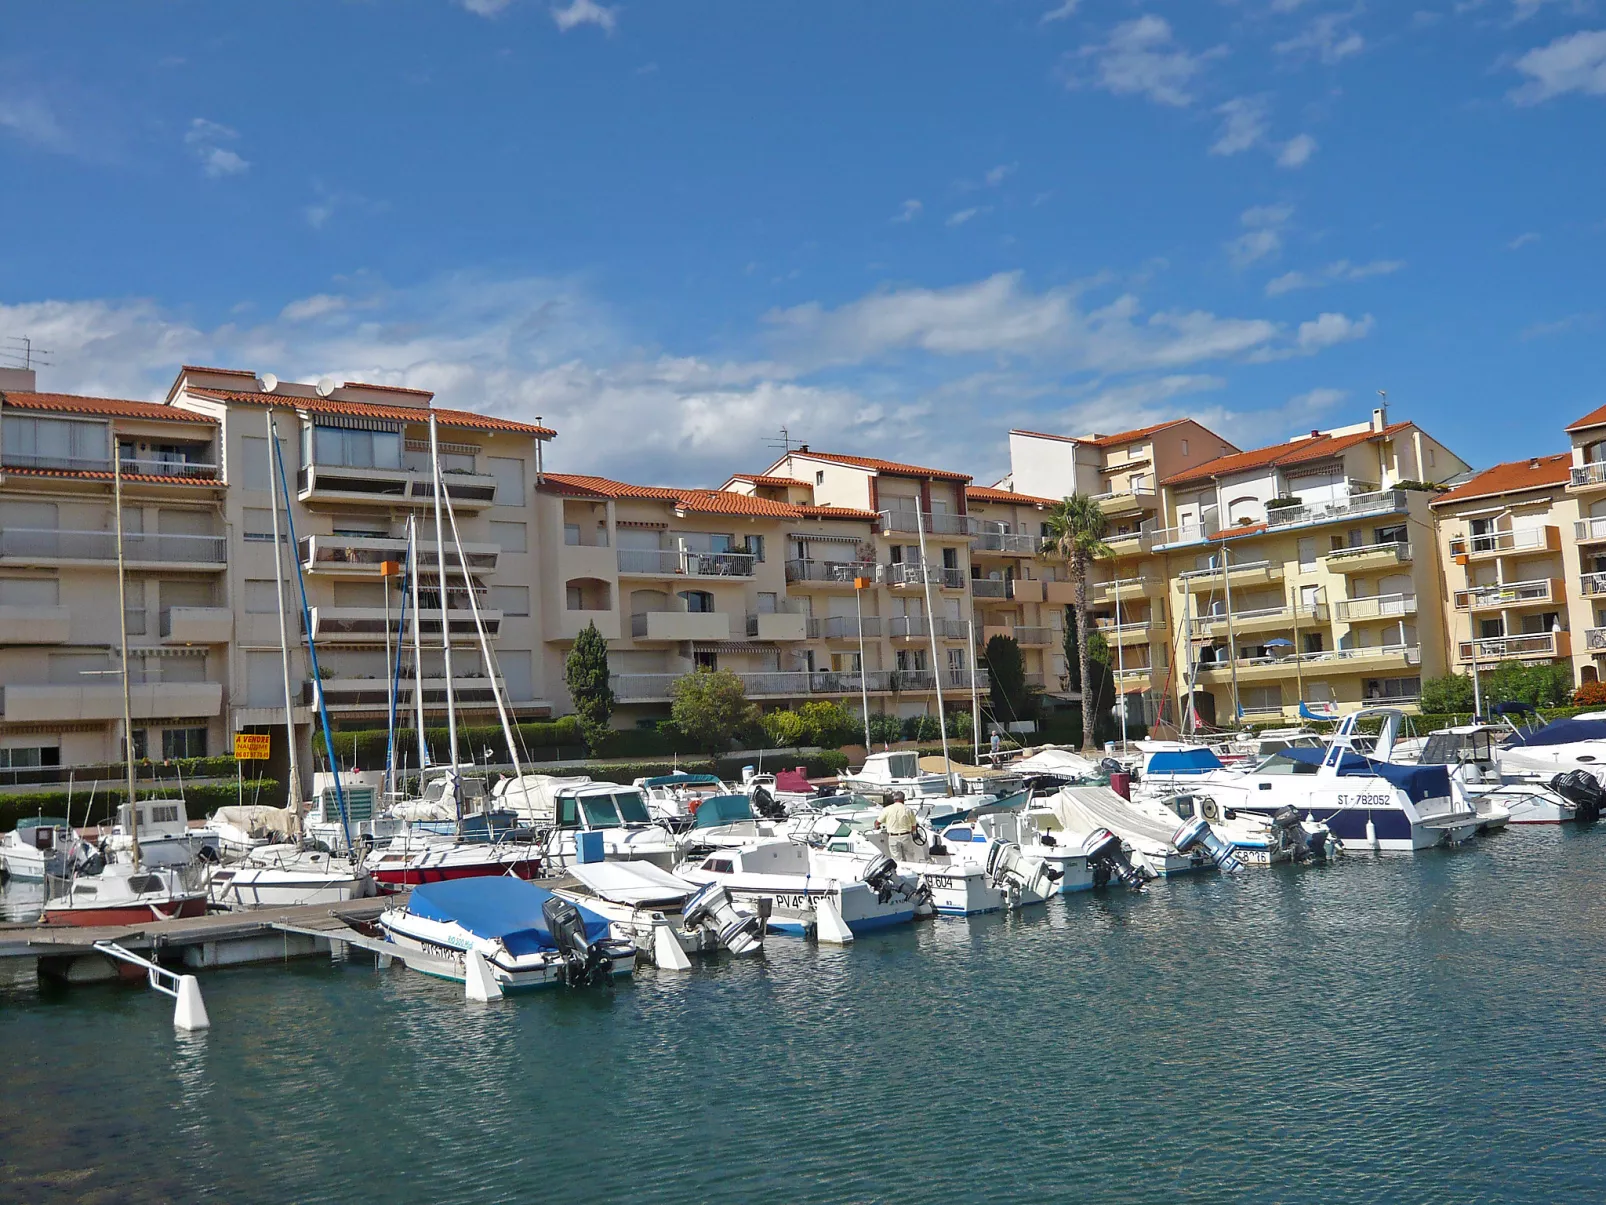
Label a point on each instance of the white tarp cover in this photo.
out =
(637, 883)
(533, 796)
(259, 818)
(1054, 760)
(1088, 808)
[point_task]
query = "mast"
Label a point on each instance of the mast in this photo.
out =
(122, 627)
(975, 699)
(284, 628)
(395, 691)
(418, 650)
(931, 629)
(1120, 658)
(446, 627)
(859, 583)
(1232, 641)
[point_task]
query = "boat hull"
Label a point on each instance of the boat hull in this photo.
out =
(276, 889)
(447, 947)
(113, 915)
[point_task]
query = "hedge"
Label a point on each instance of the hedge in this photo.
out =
(553, 740)
(201, 799)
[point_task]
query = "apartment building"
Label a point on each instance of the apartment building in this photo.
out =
(1012, 587)
(61, 702)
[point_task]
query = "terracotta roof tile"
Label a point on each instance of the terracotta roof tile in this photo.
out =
(403, 414)
(109, 406)
(108, 475)
(769, 482)
(884, 466)
(985, 493)
(1122, 437)
(1297, 451)
(1595, 418)
(1512, 477)
(694, 501)
(389, 388)
(837, 512)
(222, 372)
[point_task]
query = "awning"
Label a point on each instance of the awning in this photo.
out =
(814, 535)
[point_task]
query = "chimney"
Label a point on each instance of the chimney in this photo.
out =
(18, 380)
(1380, 419)
(802, 447)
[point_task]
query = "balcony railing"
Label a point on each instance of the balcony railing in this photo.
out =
(1496, 648)
(375, 692)
(1108, 628)
(1595, 640)
(1508, 594)
(401, 484)
(1033, 637)
(1137, 493)
(989, 587)
(1010, 543)
(1380, 502)
(1588, 531)
(1104, 592)
(1491, 542)
(838, 573)
(1593, 473)
(132, 465)
(321, 553)
(372, 624)
(844, 627)
(935, 524)
(1233, 567)
(1592, 584)
(1397, 551)
(638, 688)
(909, 627)
(1379, 606)
(1412, 655)
(674, 562)
(905, 573)
(29, 543)
(1187, 533)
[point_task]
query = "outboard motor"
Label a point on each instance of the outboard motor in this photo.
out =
(766, 805)
(1010, 869)
(584, 961)
(881, 874)
(711, 908)
(1197, 832)
(85, 860)
(1107, 859)
(1286, 828)
(1583, 790)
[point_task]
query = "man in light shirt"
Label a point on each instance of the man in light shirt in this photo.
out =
(898, 821)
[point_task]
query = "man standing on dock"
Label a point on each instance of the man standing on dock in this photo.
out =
(898, 821)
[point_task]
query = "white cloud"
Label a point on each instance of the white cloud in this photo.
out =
(1141, 58)
(317, 306)
(32, 120)
(996, 176)
(1328, 330)
(1316, 399)
(1340, 271)
(1066, 9)
(1288, 282)
(1262, 236)
(1328, 37)
(908, 211)
(1243, 125)
(485, 8)
(962, 216)
(1296, 151)
(585, 12)
(1522, 240)
(205, 139)
(1574, 63)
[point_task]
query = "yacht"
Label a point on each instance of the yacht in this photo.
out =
(1471, 752)
(287, 876)
(1561, 746)
(38, 846)
(884, 773)
(651, 907)
(612, 816)
(123, 893)
(165, 835)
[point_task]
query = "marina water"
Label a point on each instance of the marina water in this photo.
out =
(1393, 1029)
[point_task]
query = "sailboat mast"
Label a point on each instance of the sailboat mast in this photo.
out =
(122, 628)
(931, 629)
(446, 627)
(284, 627)
(418, 648)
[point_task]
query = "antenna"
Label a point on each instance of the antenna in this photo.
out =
(1384, 394)
(326, 386)
(18, 351)
(268, 382)
(783, 444)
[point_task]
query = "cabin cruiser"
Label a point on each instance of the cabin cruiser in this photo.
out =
(288, 876)
(1472, 754)
(884, 773)
(1366, 802)
(676, 797)
(524, 936)
(122, 893)
(666, 917)
(37, 847)
(612, 816)
(240, 828)
(165, 835)
(1538, 754)
(420, 858)
(812, 891)
(362, 793)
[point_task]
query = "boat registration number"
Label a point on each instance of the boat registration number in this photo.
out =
(796, 902)
(941, 880)
(1364, 801)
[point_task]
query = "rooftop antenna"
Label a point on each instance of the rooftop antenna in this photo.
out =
(784, 443)
(20, 352)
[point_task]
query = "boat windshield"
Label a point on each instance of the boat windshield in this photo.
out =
(600, 812)
(1281, 763)
(632, 807)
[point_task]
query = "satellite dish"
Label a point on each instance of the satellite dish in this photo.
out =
(268, 382)
(326, 386)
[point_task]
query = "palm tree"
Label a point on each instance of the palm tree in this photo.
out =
(1075, 535)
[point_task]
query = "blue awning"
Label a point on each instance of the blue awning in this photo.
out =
(498, 906)
(723, 809)
(1418, 782)
(1182, 761)
(1561, 732)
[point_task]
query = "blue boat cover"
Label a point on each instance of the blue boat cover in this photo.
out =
(1513, 708)
(1418, 782)
(682, 780)
(496, 906)
(723, 809)
(1183, 761)
(1561, 732)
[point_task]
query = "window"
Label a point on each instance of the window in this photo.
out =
(261, 596)
(511, 537)
(1397, 534)
(509, 474)
(956, 660)
(1134, 451)
(256, 523)
(517, 680)
(54, 443)
(698, 602)
(819, 478)
(574, 598)
(571, 534)
(705, 659)
(1184, 447)
(141, 745)
(255, 470)
(28, 592)
(511, 600)
(767, 600)
(755, 548)
(175, 669)
(357, 449)
(183, 742)
(29, 757)
(950, 558)
(264, 679)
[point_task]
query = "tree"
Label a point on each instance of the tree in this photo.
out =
(585, 671)
(710, 707)
(1075, 529)
(783, 729)
(1006, 667)
(1447, 695)
(1101, 689)
(829, 724)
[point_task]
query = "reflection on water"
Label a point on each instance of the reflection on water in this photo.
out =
(1378, 1030)
(21, 901)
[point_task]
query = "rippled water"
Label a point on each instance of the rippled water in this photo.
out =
(1379, 1030)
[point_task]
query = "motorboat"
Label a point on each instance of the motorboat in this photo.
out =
(526, 936)
(421, 858)
(652, 907)
(286, 876)
(123, 893)
(790, 790)
(611, 815)
(1472, 754)
(1148, 840)
(361, 792)
(810, 891)
(1256, 838)
(1367, 802)
(897, 770)
(676, 797)
(1538, 754)
(241, 828)
(165, 835)
(37, 847)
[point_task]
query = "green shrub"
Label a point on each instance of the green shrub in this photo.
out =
(201, 799)
(885, 728)
(829, 725)
(1453, 692)
(542, 741)
(784, 729)
(921, 728)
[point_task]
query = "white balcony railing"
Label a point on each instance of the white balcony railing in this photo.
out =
(1595, 639)
(1379, 606)
(39, 543)
(1378, 502)
(1495, 648)
(1587, 531)
(1017, 543)
(1593, 473)
(1410, 654)
(844, 627)
(637, 688)
(679, 562)
(1592, 584)
(935, 524)
(1508, 594)
(906, 573)
(1397, 550)
(1489, 542)
(839, 573)
(1233, 567)
(909, 627)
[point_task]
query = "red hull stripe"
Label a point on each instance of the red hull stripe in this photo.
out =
(133, 914)
(415, 876)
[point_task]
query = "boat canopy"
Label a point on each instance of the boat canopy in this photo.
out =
(1056, 762)
(497, 906)
(1418, 782)
(794, 782)
(1198, 760)
(1560, 732)
(681, 780)
(723, 809)
(41, 822)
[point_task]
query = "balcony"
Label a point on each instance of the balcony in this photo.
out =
(989, 587)
(1127, 635)
(1260, 619)
(104, 701)
(35, 625)
(197, 625)
(1187, 533)
(1489, 544)
(1509, 594)
(1380, 502)
(1130, 543)
(1238, 574)
(374, 693)
(1595, 640)
(916, 627)
(371, 625)
(677, 562)
(1592, 585)
(832, 573)
(392, 487)
(1368, 558)
(906, 574)
(51, 546)
(1005, 544)
(1370, 659)
(681, 625)
(1380, 606)
(1538, 645)
(653, 688)
(1590, 476)
(1591, 530)
(362, 556)
(1128, 501)
(189, 470)
(783, 624)
(844, 627)
(567, 625)
(910, 521)
(1105, 593)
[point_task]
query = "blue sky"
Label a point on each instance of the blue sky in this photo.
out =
(670, 227)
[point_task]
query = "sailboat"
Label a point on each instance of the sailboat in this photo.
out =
(124, 891)
(290, 873)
